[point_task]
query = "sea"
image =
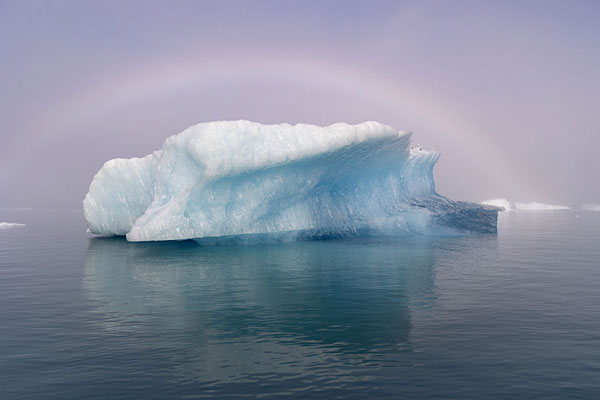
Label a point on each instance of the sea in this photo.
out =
(512, 315)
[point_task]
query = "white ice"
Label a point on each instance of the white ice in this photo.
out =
(591, 207)
(500, 203)
(8, 225)
(535, 206)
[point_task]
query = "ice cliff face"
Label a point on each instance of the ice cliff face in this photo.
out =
(243, 179)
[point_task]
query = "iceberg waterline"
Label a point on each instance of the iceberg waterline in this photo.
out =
(239, 178)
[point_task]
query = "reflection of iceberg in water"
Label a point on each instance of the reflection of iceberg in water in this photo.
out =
(225, 313)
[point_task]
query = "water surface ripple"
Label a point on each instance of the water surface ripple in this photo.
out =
(515, 315)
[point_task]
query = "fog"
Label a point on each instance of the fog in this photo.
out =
(507, 91)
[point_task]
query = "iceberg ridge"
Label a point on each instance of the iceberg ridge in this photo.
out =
(233, 179)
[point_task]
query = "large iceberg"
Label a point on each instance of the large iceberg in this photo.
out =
(239, 179)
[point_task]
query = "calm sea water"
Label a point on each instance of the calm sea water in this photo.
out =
(513, 315)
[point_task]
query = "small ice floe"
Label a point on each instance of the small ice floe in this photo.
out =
(591, 207)
(535, 206)
(8, 225)
(502, 204)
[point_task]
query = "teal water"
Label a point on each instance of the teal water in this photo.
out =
(512, 315)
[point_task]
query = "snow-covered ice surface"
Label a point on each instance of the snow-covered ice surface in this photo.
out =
(500, 203)
(539, 207)
(8, 225)
(235, 180)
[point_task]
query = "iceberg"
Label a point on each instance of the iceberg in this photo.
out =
(8, 225)
(502, 204)
(241, 180)
(535, 206)
(591, 207)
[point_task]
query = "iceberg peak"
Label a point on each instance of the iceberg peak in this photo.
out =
(238, 178)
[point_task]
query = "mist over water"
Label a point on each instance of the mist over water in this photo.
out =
(87, 82)
(511, 315)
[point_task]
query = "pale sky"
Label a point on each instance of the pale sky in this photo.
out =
(507, 91)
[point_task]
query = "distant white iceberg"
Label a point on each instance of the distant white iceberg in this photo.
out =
(239, 178)
(500, 203)
(539, 207)
(8, 225)
(591, 207)
(535, 206)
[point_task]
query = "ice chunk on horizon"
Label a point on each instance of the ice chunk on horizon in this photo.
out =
(500, 203)
(591, 207)
(535, 206)
(239, 178)
(8, 225)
